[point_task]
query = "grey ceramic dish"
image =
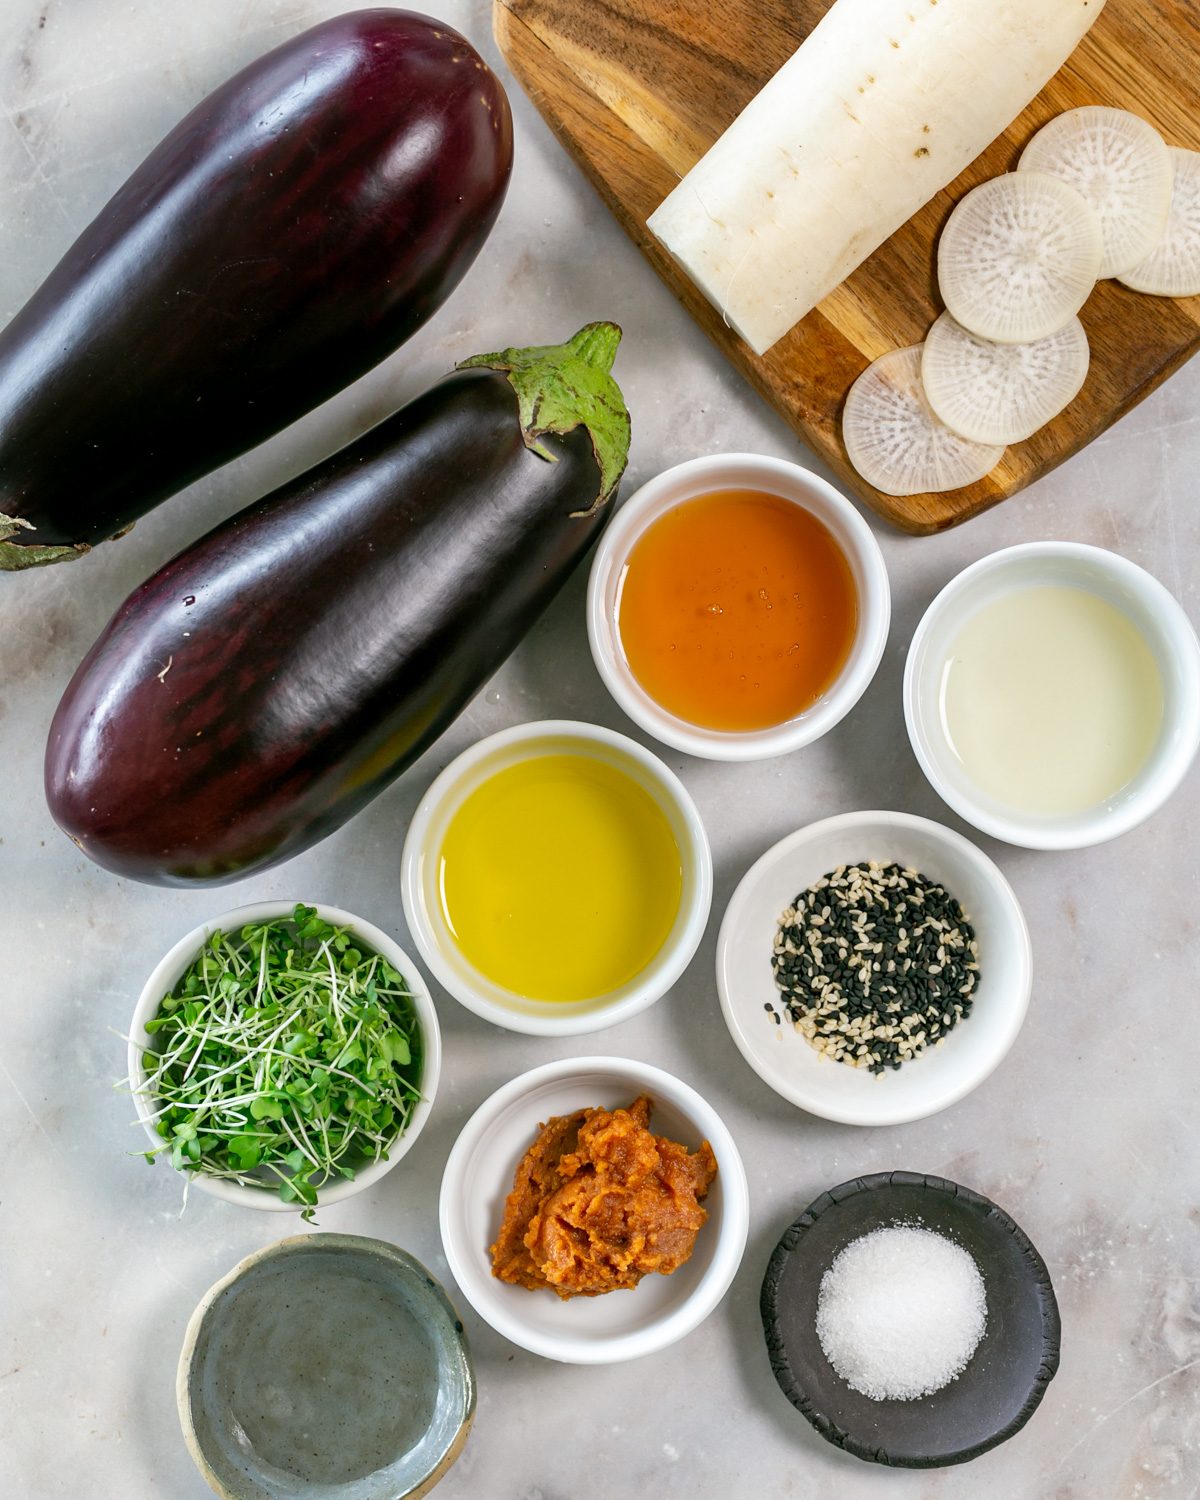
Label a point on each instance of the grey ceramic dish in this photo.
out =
(325, 1367)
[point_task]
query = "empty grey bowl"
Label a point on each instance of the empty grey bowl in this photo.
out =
(325, 1367)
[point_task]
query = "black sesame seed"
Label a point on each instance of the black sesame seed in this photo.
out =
(874, 963)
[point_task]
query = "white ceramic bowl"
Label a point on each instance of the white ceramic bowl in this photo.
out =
(701, 476)
(1166, 630)
(937, 1077)
(420, 876)
(172, 968)
(621, 1325)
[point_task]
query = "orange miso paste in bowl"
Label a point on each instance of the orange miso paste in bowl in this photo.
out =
(560, 877)
(737, 610)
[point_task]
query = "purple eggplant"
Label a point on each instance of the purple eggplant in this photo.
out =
(265, 684)
(291, 232)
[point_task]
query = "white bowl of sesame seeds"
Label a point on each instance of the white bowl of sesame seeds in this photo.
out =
(956, 909)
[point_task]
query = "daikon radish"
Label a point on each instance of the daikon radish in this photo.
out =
(885, 103)
(1121, 165)
(1019, 257)
(895, 440)
(1172, 269)
(1001, 393)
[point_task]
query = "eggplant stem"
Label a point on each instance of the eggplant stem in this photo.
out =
(597, 343)
(14, 556)
(560, 387)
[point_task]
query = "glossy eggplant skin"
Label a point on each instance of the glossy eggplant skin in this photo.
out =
(269, 681)
(301, 223)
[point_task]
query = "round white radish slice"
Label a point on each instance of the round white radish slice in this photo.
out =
(894, 440)
(1018, 257)
(1172, 269)
(1120, 165)
(1001, 393)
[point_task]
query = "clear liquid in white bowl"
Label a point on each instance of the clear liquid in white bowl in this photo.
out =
(1051, 699)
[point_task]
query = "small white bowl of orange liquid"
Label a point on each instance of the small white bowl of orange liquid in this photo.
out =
(556, 878)
(738, 607)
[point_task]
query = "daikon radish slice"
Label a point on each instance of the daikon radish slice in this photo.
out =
(894, 439)
(1172, 269)
(1121, 165)
(884, 105)
(1018, 257)
(1001, 393)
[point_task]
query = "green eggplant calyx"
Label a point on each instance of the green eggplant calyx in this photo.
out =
(14, 557)
(564, 386)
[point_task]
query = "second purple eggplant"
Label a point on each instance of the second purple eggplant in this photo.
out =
(272, 679)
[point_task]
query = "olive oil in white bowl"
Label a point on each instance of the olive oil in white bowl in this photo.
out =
(1052, 695)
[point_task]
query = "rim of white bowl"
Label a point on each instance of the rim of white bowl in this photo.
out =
(792, 482)
(561, 1018)
(171, 967)
(1179, 639)
(737, 911)
(732, 1231)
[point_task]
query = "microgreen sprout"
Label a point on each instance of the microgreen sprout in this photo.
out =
(288, 1055)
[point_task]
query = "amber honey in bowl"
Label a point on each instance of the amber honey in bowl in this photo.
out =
(736, 610)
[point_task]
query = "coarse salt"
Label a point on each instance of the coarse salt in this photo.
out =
(900, 1312)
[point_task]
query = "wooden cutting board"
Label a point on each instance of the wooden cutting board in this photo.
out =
(637, 90)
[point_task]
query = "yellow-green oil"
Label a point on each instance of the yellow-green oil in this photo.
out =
(560, 877)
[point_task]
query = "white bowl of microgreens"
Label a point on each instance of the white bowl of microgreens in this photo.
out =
(284, 1056)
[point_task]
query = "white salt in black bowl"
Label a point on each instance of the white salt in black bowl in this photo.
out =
(1006, 1377)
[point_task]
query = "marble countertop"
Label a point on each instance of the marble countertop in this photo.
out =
(1086, 1133)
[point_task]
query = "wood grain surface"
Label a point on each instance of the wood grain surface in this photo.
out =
(637, 90)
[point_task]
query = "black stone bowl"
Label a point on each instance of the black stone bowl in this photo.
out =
(1008, 1374)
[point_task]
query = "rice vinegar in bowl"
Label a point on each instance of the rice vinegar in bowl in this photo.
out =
(1051, 699)
(1052, 694)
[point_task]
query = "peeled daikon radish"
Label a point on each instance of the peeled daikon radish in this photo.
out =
(884, 104)
(1001, 393)
(1172, 269)
(894, 439)
(1018, 257)
(1121, 165)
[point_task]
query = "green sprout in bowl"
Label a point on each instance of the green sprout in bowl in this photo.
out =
(286, 1056)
